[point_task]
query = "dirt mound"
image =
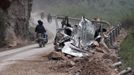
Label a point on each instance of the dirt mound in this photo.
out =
(96, 66)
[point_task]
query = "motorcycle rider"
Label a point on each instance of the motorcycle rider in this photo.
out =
(41, 29)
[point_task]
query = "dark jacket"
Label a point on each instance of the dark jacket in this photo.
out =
(40, 29)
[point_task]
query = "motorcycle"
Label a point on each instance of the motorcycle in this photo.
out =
(42, 39)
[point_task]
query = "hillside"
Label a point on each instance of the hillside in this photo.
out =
(112, 10)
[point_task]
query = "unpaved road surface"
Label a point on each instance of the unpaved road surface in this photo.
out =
(28, 52)
(30, 60)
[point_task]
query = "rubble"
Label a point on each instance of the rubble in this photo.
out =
(127, 70)
(97, 64)
(83, 56)
(72, 51)
(116, 64)
(56, 56)
(97, 67)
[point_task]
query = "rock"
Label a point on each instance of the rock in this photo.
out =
(17, 20)
(72, 63)
(11, 38)
(57, 56)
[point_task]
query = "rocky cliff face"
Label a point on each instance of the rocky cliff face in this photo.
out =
(16, 20)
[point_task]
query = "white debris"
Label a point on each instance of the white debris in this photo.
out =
(87, 30)
(68, 50)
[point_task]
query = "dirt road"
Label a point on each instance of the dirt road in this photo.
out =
(31, 51)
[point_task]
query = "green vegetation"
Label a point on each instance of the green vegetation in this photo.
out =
(127, 50)
(111, 10)
(127, 47)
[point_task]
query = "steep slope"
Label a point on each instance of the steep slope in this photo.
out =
(16, 20)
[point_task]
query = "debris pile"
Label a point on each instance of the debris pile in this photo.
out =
(93, 65)
(97, 67)
(83, 52)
